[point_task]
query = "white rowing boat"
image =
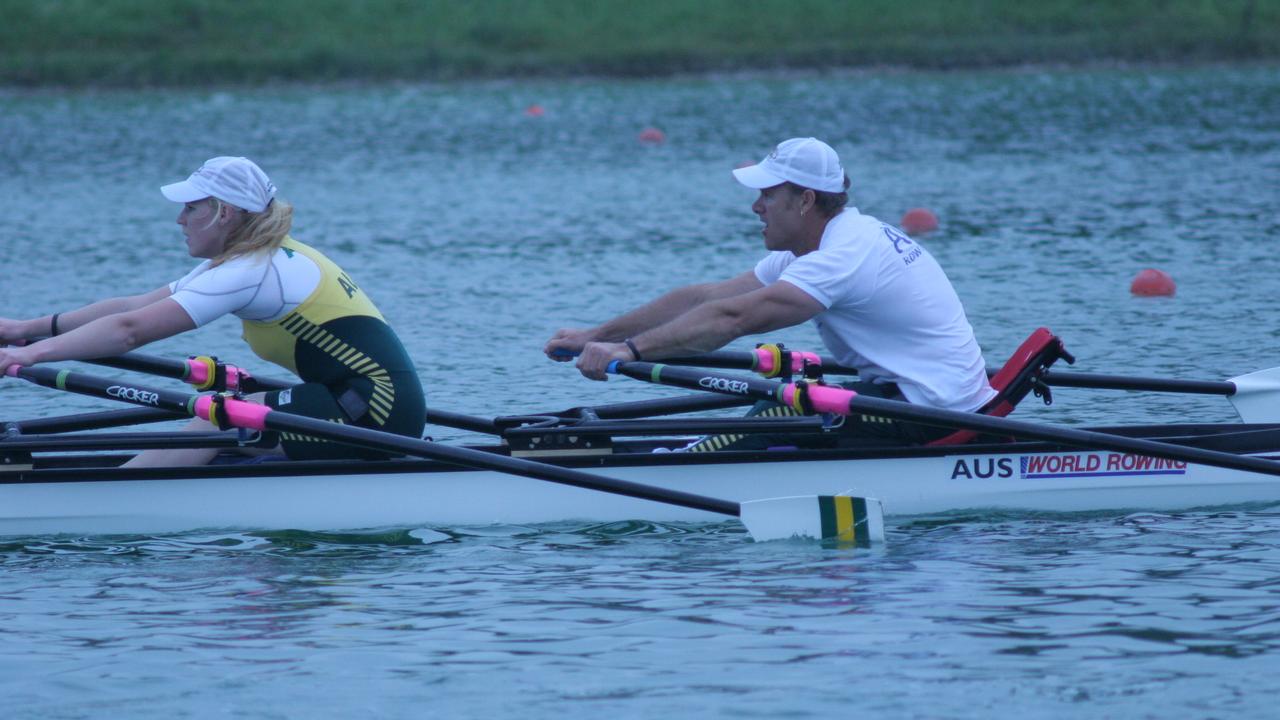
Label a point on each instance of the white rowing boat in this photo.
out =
(583, 472)
(78, 495)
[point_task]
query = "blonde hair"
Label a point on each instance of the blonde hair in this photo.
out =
(260, 231)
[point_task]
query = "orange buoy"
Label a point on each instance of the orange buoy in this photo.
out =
(534, 111)
(917, 221)
(1152, 282)
(652, 135)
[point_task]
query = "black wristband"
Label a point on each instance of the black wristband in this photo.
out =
(53, 325)
(632, 347)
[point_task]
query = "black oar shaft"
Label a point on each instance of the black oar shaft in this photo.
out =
(658, 406)
(462, 422)
(149, 364)
(92, 421)
(739, 360)
(1122, 382)
(166, 400)
(165, 367)
(117, 441)
(466, 457)
(748, 389)
(179, 369)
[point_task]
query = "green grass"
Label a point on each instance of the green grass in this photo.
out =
(138, 42)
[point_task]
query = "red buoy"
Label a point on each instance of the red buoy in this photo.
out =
(1152, 282)
(652, 135)
(534, 111)
(917, 221)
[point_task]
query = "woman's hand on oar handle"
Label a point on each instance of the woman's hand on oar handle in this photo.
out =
(20, 356)
(16, 332)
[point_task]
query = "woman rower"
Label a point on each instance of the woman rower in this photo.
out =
(299, 310)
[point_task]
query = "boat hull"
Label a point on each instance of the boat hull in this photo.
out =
(338, 496)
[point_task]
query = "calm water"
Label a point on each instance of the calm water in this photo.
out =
(480, 229)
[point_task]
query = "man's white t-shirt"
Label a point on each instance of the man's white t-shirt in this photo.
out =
(891, 311)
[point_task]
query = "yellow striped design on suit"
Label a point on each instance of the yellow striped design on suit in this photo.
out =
(384, 391)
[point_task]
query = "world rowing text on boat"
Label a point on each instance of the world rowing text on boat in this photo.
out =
(132, 394)
(724, 385)
(1066, 465)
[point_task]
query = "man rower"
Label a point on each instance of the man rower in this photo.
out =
(880, 301)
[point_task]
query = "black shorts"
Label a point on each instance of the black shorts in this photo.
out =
(346, 403)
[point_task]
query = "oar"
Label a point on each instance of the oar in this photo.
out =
(769, 360)
(837, 517)
(77, 442)
(205, 373)
(655, 406)
(202, 371)
(807, 397)
(1255, 396)
(90, 421)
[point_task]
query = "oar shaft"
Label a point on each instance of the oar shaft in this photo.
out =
(762, 360)
(749, 389)
(464, 457)
(117, 441)
(192, 370)
(657, 406)
(92, 421)
(462, 422)
(149, 364)
(167, 400)
(1122, 382)
(758, 360)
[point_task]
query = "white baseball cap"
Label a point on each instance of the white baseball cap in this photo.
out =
(234, 180)
(807, 162)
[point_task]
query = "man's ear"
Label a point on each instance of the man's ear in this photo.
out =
(807, 200)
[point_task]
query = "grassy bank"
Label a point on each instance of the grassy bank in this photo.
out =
(140, 42)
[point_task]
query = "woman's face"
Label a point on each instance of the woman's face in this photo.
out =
(206, 223)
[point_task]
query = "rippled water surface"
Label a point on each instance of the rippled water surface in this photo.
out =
(479, 230)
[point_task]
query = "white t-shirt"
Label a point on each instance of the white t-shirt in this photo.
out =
(891, 311)
(252, 287)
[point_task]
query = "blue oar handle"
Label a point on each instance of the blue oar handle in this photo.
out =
(613, 367)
